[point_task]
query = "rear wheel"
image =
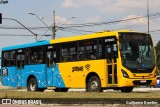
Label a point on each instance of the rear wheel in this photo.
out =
(32, 85)
(126, 89)
(94, 84)
(61, 90)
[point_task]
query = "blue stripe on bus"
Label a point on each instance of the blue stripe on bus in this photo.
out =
(45, 77)
(11, 78)
(39, 43)
(54, 77)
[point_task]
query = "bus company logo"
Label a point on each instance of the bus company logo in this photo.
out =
(87, 67)
(6, 101)
(3, 1)
(4, 72)
(77, 68)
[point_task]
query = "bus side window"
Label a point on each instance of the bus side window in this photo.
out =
(36, 55)
(99, 46)
(88, 50)
(69, 52)
(49, 59)
(115, 50)
(9, 58)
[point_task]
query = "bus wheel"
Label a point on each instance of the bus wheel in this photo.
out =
(61, 90)
(94, 84)
(32, 85)
(126, 89)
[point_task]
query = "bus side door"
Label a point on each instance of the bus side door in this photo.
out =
(54, 77)
(20, 61)
(50, 67)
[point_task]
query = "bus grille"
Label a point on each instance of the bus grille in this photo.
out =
(138, 82)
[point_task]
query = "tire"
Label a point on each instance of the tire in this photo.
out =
(126, 89)
(61, 90)
(94, 84)
(32, 85)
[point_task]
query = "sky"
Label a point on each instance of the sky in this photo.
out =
(86, 11)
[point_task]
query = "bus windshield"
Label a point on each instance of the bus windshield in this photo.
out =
(137, 51)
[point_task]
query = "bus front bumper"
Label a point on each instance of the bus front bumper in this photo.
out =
(126, 82)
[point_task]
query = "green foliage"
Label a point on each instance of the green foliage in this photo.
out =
(157, 48)
(5, 96)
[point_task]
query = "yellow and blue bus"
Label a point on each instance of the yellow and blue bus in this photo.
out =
(104, 60)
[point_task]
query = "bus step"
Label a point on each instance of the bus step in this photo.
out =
(51, 88)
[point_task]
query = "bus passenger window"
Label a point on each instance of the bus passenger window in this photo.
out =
(9, 58)
(49, 59)
(88, 50)
(93, 54)
(36, 55)
(68, 52)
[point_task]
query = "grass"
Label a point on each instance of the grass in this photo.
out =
(114, 94)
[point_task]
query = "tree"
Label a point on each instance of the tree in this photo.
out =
(157, 48)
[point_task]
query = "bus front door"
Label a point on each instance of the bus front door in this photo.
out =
(20, 67)
(111, 55)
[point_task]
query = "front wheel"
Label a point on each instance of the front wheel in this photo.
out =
(32, 85)
(94, 84)
(126, 89)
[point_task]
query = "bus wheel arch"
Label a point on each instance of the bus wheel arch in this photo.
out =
(93, 83)
(32, 84)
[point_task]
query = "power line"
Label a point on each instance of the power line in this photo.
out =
(155, 15)
(70, 27)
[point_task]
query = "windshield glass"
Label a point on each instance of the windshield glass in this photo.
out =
(137, 51)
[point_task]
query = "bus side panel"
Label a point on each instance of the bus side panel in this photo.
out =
(39, 71)
(74, 73)
(11, 77)
(54, 77)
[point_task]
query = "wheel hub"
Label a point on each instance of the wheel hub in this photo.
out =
(94, 85)
(32, 86)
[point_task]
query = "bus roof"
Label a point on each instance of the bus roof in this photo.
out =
(38, 43)
(89, 36)
(67, 39)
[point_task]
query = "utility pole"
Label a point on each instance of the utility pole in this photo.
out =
(54, 25)
(54, 29)
(148, 14)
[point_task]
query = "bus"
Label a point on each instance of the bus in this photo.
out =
(119, 60)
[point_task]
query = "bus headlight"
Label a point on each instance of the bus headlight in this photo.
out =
(125, 74)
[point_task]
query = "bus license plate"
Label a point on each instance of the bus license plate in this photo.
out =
(143, 81)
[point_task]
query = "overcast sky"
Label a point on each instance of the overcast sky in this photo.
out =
(87, 11)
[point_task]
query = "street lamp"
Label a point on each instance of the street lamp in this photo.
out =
(54, 26)
(40, 18)
(22, 25)
(66, 22)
